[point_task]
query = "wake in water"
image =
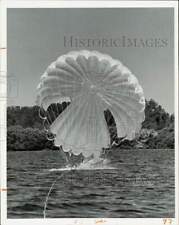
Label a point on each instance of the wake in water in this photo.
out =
(93, 164)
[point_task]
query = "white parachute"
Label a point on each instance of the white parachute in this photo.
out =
(92, 82)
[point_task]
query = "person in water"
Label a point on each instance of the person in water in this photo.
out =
(74, 161)
(70, 159)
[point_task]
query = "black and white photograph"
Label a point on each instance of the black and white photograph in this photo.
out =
(91, 113)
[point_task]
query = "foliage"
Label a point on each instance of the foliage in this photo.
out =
(19, 138)
(155, 116)
(24, 116)
(164, 139)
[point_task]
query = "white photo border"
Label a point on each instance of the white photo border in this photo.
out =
(4, 5)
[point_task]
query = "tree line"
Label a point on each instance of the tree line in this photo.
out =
(25, 129)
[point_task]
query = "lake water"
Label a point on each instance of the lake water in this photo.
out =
(141, 184)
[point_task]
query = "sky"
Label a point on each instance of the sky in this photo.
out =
(35, 38)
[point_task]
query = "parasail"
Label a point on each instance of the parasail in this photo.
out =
(92, 82)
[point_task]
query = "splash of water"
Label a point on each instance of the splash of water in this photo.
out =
(89, 165)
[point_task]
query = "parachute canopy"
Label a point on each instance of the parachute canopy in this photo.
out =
(92, 82)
